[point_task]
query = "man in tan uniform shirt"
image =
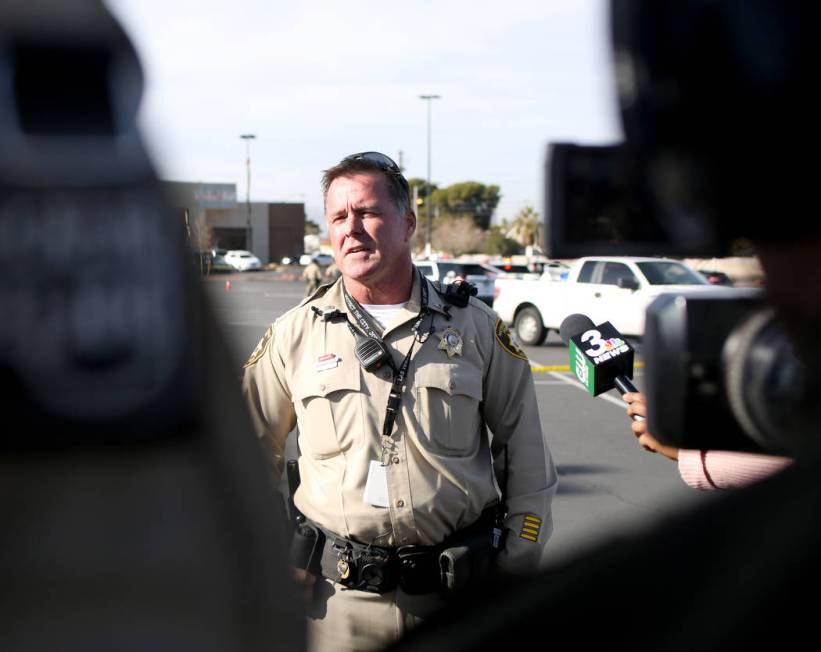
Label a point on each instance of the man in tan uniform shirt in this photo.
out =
(427, 477)
(312, 275)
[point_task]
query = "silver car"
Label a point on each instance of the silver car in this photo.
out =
(242, 261)
(447, 271)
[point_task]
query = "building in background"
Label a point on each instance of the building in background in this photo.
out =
(216, 219)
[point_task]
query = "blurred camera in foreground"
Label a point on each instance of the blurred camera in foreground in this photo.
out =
(713, 100)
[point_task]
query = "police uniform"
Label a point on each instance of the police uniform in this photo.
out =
(464, 373)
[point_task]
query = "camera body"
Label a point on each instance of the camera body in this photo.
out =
(695, 175)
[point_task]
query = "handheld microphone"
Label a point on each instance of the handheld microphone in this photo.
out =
(600, 357)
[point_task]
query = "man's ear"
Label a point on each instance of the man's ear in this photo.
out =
(411, 221)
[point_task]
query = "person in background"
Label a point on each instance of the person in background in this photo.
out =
(331, 273)
(312, 275)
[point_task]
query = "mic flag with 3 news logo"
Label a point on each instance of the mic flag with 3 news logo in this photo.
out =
(599, 355)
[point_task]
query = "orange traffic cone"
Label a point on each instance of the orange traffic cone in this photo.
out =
(227, 286)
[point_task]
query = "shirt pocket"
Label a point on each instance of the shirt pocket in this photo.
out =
(447, 399)
(329, 413)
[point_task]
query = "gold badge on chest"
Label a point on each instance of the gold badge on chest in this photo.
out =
(451, 342)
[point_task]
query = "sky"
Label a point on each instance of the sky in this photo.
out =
(317, 81)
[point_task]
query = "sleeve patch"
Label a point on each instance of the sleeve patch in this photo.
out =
(506, 341)
(260, 349)
(531, 527)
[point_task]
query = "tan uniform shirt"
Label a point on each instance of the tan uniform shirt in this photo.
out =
(440, 471)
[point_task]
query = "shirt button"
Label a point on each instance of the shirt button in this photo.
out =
(400, 503)
(322, 387)
(396, 460)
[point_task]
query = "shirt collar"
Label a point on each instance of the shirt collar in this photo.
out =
(333, 297)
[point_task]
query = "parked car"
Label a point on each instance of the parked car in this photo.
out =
(323, 260)
(242, 261)
(447, 271)
(507, 268)
(716, 278)
(555, 270)
(218, 262)
(617, 289)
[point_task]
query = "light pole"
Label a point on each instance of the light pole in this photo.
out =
(428, 99)
(248, 138)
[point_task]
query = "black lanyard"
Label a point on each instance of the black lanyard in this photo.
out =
(369, 327)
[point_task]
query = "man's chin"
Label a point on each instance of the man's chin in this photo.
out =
(360, 270)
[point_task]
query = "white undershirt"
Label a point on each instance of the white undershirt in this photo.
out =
(385, 312)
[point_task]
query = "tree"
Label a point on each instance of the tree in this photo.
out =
(422, 189)
(311, 227)
(525, 227)
(498, 244)
(201, 234)
(458, 235)
(468, 199)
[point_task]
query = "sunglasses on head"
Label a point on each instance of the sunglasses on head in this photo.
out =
(383, 161)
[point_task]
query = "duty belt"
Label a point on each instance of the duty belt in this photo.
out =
(415, 569)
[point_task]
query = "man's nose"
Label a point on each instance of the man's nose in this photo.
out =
(353, 222)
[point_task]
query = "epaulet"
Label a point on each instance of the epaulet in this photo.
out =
(481, 305)
(318, 293)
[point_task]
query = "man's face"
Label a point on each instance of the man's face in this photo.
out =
(370, 238)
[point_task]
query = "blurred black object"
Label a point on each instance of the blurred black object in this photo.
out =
(726, 362)
(717, 109)
(137, 510)
(715, 101)
(598, 205)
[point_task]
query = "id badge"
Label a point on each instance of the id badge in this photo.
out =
(376, 487)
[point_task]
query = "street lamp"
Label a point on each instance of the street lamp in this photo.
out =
(248, 138)
(428, 99)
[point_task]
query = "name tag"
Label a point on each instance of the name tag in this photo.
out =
(327, 361)
(376, 488)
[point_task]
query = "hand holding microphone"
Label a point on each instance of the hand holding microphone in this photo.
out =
(637, 410)
(602, 359)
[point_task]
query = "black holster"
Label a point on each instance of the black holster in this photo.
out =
(306, 547)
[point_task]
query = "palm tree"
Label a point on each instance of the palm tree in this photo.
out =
(525, 227)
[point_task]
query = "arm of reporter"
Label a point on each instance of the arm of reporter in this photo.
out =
(711, 470)
(706, 470)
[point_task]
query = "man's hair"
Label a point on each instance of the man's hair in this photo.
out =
(398, 187)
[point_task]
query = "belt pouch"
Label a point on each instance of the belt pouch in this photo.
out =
(305, 546)
(466, 559)
(418, 570)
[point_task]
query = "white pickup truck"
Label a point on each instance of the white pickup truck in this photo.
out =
(605, 288)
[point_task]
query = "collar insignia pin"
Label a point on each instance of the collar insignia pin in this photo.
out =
(451, 342)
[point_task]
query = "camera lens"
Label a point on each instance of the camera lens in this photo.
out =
(764, 382)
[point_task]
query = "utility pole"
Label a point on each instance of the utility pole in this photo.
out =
(248, 138)
(428, 99)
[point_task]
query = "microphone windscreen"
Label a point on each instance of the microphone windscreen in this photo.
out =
(573, 325)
